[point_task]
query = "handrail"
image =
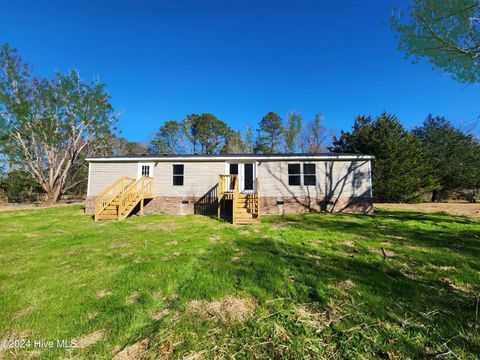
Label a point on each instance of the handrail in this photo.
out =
(106, 196)
(141, 187)
(258, 198)
(235, 200)
(227, 183)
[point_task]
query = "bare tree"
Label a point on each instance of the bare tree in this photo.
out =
(48, 124)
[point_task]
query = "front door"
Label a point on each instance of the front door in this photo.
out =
(246, 175)
(145, 169)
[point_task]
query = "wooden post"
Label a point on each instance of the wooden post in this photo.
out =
(142, 195)
(235, 198)
(258, 201)
(219, 196)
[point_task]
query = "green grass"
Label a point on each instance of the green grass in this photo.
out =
(319, 284)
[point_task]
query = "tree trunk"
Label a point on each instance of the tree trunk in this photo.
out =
(434, 195)
(52, 196)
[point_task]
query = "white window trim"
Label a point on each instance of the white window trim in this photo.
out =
(302, 174)
(139, 169)
(183, 175)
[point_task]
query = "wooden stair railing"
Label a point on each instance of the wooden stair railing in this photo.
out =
(141, 189)
(226, 186)
(119, 206)
(106, 196)
(245, 207)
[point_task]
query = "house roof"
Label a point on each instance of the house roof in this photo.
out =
(224, 157)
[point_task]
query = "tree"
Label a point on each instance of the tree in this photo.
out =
(48, 123)
(447, 33)
(453, 155)
(249, 143)
(400, 172)
(206, 133)
(121, 146)
(168, 138)
(292, 132)
(234, 143)
(189, 130)
(315, 136)
(270, 131)
(20, 186)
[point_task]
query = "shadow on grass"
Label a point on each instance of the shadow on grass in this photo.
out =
(428, 230)
(384, 300)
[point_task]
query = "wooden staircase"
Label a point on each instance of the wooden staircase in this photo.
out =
(118, 200)
(245, 207)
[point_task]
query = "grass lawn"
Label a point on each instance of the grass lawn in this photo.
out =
(312, 286)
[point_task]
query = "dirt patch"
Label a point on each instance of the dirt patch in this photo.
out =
(312, 318)
(446, 268)
(132, 298)
(158, 295)
(386, 253)
(160, 314)
(229, 309)
(132, 352)
(215, 239)
(92, 315)
(346, 285)
(350, 244)
(452, 208)
(121, 246)
(236, 259)
(22, 313)
(396, 237)
(463, 288)
(315, 257)
(172, 243)
(103, 293)
(89, 339)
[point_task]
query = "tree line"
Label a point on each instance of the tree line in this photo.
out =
(48, 126)
(206, 134)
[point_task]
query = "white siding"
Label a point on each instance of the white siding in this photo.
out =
(103, 174)
(199, 178)
(334, 178)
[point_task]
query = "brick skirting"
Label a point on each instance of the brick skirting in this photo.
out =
(268, 205)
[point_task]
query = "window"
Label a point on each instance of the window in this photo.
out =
(178, 175)
(146, 170)
(309, 176)
(234, 169)
(294, 174)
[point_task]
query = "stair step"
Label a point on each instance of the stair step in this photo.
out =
(107, 217)
(246, 222)
(245, 217)
(109, 212)
(111, 207)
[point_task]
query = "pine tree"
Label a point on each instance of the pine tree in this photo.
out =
(270, 131)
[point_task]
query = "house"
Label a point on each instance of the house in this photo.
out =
(238, 187)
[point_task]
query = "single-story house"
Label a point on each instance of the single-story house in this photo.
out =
(240, 187)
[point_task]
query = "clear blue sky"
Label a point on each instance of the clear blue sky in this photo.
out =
(162, 60)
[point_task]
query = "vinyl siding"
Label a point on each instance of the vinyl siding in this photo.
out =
(199, 178)
(333, 178)
(103, 174)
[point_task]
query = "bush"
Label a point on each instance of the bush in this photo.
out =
(20, 186)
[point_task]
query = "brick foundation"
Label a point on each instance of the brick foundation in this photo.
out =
(269, 205)
(279, 206)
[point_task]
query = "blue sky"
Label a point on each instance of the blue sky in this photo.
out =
(162, 60)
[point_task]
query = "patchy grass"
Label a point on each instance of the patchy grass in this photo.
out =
(312, 286)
